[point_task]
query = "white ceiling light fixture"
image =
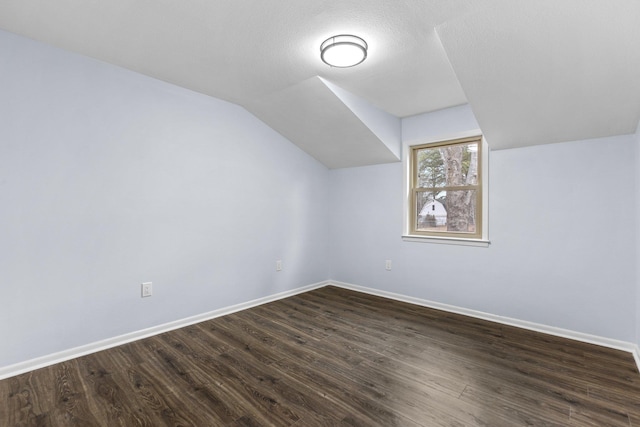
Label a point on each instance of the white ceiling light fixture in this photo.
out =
(343, 51)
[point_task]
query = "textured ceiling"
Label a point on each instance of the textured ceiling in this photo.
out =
(548, 71)
(533, 71)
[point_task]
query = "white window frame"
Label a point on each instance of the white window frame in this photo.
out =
(483, 241)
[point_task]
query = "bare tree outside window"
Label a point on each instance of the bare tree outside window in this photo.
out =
(446, 188)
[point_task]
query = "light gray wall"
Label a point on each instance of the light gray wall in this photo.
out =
(439, 124)
(109, 179)
(561, 222)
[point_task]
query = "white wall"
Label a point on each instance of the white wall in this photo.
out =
(109, 179)
(561, 222)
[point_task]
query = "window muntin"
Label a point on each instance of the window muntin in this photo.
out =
(446, 189)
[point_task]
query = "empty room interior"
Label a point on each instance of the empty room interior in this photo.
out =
(206, 218)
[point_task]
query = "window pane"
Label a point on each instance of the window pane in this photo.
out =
(448, 165)
(446, 211)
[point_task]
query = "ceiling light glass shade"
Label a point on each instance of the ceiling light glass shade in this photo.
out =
(343, 51)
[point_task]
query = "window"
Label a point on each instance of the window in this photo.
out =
(445, 189)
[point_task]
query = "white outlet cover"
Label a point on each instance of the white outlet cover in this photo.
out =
(147, 289)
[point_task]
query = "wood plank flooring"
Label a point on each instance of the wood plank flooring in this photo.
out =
(334, 357)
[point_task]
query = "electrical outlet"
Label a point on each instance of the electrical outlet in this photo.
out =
(147, 289)
(279, 265)
(387, 264)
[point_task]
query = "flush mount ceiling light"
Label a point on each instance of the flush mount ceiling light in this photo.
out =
(343, 51)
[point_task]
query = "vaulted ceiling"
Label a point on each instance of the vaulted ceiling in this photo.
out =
(533, 72)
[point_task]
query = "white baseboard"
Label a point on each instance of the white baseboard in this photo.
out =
(551, 330)
(41, 362)
(51, 359)
(636, 356)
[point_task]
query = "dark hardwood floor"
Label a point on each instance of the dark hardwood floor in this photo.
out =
(334, 357)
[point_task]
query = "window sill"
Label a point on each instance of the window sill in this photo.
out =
(447, 241)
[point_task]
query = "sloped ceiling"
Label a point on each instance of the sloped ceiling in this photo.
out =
(533, 72)
(307, 113)
(547, 71)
